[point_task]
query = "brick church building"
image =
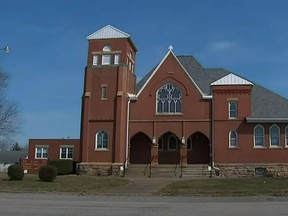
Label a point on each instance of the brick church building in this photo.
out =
(179, 113)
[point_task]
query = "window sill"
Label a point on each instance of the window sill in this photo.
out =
(260, 147)
(276, 147)
(233, 148)
(168, 114)
(102, 150)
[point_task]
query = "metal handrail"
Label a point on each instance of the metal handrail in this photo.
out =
(150, 168)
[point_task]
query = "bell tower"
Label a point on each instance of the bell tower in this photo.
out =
(109, 80)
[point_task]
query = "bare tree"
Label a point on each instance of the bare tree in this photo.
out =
(9, 118)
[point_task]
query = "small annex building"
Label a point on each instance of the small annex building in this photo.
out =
(179, 113)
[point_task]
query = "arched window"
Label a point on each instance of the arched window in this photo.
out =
(233, 139)
(169, 99)
(101, 141)
(259, 136)
(106, 58)
(274, 136)
(172, 143)
(106, 48)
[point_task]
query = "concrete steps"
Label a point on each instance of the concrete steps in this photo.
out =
(168, 171)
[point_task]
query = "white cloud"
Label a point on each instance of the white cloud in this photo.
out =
(218, 46)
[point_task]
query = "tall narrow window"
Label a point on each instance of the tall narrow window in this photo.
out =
(160, 143)
(286, 136)
(101, 140)
(169, 99)
(189, 143)
(274, 136)
(95, 59)
(106, 58)
(233, 139)
(233, 109)
(259, 136)
(116, 59)
(103, 92)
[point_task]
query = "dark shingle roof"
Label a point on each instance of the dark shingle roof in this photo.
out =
(265, 103)
(11, 157)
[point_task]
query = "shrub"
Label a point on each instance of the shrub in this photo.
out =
(15, 172)
(47, 173)
(64, 167)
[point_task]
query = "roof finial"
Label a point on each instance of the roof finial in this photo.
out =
(170, 47)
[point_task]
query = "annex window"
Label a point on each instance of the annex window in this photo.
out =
(286, 136)
(101, 140)
(169, 99)
(95, 59)
(233, 109)
(116, 59)
(233, 139)
(172, 143)
(66, 153)
(103, 92)
(259, 136)
(41, 152)
(274, 136)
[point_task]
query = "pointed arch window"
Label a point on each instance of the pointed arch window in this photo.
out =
(259, 136)
(233, 139)
(274, 136)
(101, 141)
(172, 143)
(169, 99)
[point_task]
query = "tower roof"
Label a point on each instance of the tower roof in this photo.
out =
(108, 32)
(231, 79)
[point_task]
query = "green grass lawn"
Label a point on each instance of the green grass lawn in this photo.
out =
(63, 184)
(92, 185)
(259, 186)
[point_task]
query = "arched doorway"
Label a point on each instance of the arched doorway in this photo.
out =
(198, 149)
(140, 149)
(168, 149)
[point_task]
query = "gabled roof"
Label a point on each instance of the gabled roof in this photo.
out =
(108, 32)
(231, 79)
(265, 103)
(11, 157)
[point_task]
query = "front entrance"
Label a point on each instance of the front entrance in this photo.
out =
(198, 149)
(140, 149)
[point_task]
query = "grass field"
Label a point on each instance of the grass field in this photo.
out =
(92, 185)
(259, 186)
(89, 185)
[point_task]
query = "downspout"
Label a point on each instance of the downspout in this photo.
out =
(127, 132)
(212, 139)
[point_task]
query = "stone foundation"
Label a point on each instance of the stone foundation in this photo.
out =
(100, 169)
(249, 170)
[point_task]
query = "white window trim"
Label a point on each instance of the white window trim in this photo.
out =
(44, 146)
(232, 117)
(95, 59)
(263, 130)
(66, 147)
(101, 149)
(117, 59)
(279, 137)
(237, 143)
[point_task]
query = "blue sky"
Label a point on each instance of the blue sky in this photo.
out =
(49, 48)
